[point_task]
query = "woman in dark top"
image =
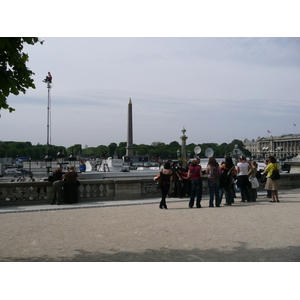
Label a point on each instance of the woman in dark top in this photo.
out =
(165, 179)
(213, 171)
(71, 186)
(230, 171)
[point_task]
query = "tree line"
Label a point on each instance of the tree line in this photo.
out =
(157, 150)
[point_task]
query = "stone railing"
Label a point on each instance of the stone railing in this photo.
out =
(89, 190)
(95, 190)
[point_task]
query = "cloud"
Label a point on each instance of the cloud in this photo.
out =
(217, 88)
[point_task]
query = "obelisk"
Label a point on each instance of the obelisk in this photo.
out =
(129, 148)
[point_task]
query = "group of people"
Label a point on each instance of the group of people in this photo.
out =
(221, 180)
(65, 186)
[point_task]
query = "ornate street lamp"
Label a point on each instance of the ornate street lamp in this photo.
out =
(188, 154)
(265, 151)
(29, 158)
(72, 160)
(48, 161)
(60, 158)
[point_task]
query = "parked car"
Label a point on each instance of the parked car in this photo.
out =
(125, 169)
(13, 172)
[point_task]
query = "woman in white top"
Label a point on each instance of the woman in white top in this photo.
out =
(243, 182)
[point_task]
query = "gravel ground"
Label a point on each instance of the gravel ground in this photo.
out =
(245, 232)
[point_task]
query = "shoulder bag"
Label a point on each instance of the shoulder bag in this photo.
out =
(275, 175)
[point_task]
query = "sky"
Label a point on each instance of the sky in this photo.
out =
(217, 88)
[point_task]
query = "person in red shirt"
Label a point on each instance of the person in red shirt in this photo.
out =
(195, 175)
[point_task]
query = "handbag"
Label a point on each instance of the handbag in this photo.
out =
(224, 177)
(254, 183)
(275, 175)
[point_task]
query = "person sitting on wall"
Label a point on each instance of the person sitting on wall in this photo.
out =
(71, 186)
(57, 179)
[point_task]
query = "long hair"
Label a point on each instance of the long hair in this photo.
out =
(212, 162)
(167, 166)
(228, 162)
(194, 163)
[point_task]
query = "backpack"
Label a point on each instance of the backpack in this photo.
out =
(214, 174)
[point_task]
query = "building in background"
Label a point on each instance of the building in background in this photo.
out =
(284, 146)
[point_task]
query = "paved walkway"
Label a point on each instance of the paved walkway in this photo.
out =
(139, 231)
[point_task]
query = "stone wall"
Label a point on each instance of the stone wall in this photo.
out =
(95, 190)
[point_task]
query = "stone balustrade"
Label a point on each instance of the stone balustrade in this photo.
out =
(95, 190)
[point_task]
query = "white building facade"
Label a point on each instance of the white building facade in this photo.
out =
(283, 146)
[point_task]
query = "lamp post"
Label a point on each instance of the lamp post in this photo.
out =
(188, 154)
(183, 146)
(278, 149)
(29, 158)
(60, 158)
(72, 160)
(265, 150)
(48, 81)
(48, 162)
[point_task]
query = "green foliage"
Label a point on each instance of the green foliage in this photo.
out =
(26, 149)
(76, 149)
(155, 150)
(15, 77)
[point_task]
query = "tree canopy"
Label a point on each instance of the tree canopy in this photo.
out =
(15, 77)
(156, 150)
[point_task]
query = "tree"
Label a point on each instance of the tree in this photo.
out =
(15, 77)
(112, 149)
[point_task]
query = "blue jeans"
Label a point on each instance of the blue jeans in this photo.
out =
(221, 194)
(214, 190)
(229, 195)
(196, 191)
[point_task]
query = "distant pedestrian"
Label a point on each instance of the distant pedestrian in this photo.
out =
(269, 194)
(244, 184)
(177, 181)
(228, 172)
(71, 185)
(254, 181)
(57, 193)
(82, 167)
(272, 185)
(164, 182)
(213, 172)
(195, 175)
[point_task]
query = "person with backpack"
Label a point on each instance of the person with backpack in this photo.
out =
(213, 172)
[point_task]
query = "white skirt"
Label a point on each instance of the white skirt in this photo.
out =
(272, 185)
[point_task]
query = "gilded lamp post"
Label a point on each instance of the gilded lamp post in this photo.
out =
(183, 147)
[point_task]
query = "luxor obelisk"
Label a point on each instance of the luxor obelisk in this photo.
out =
(129, 148)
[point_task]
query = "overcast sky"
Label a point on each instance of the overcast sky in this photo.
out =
(217, 88)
